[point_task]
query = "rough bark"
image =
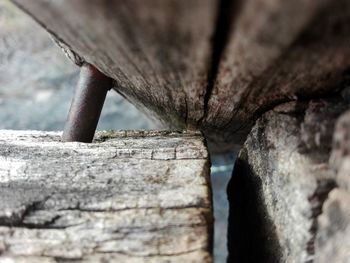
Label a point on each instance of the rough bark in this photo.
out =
(280, 182)
(127, 197)
(213, 65)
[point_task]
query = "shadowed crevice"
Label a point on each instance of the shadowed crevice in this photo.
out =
(251, 233)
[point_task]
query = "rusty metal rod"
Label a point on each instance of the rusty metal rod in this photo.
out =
(87, 105)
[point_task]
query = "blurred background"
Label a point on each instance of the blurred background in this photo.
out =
(36, 87)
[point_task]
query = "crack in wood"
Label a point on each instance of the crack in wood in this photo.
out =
(227, 12)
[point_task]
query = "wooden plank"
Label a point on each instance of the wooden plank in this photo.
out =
(280, 183)
(157, 51)
(128, 197)
(277, 51)
(207, 64)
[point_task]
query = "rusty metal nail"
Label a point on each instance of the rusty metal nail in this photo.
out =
(87, 105)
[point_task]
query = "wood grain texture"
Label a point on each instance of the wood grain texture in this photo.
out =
(127, 197)
(277, 51)
(157, 51)
(212, 65)
(280, 183)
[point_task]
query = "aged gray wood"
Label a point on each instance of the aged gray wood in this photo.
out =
(281, 181)
(128, 197)
(207, 64)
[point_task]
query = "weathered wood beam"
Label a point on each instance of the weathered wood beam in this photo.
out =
(213, 65)
(277, 51)
(157, 51)
(127, 197)
(280, 183)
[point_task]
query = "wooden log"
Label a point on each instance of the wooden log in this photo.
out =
(128, 197)
(280, 183)
(206, 64)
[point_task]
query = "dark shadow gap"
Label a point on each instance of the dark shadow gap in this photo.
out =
(251, 234)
